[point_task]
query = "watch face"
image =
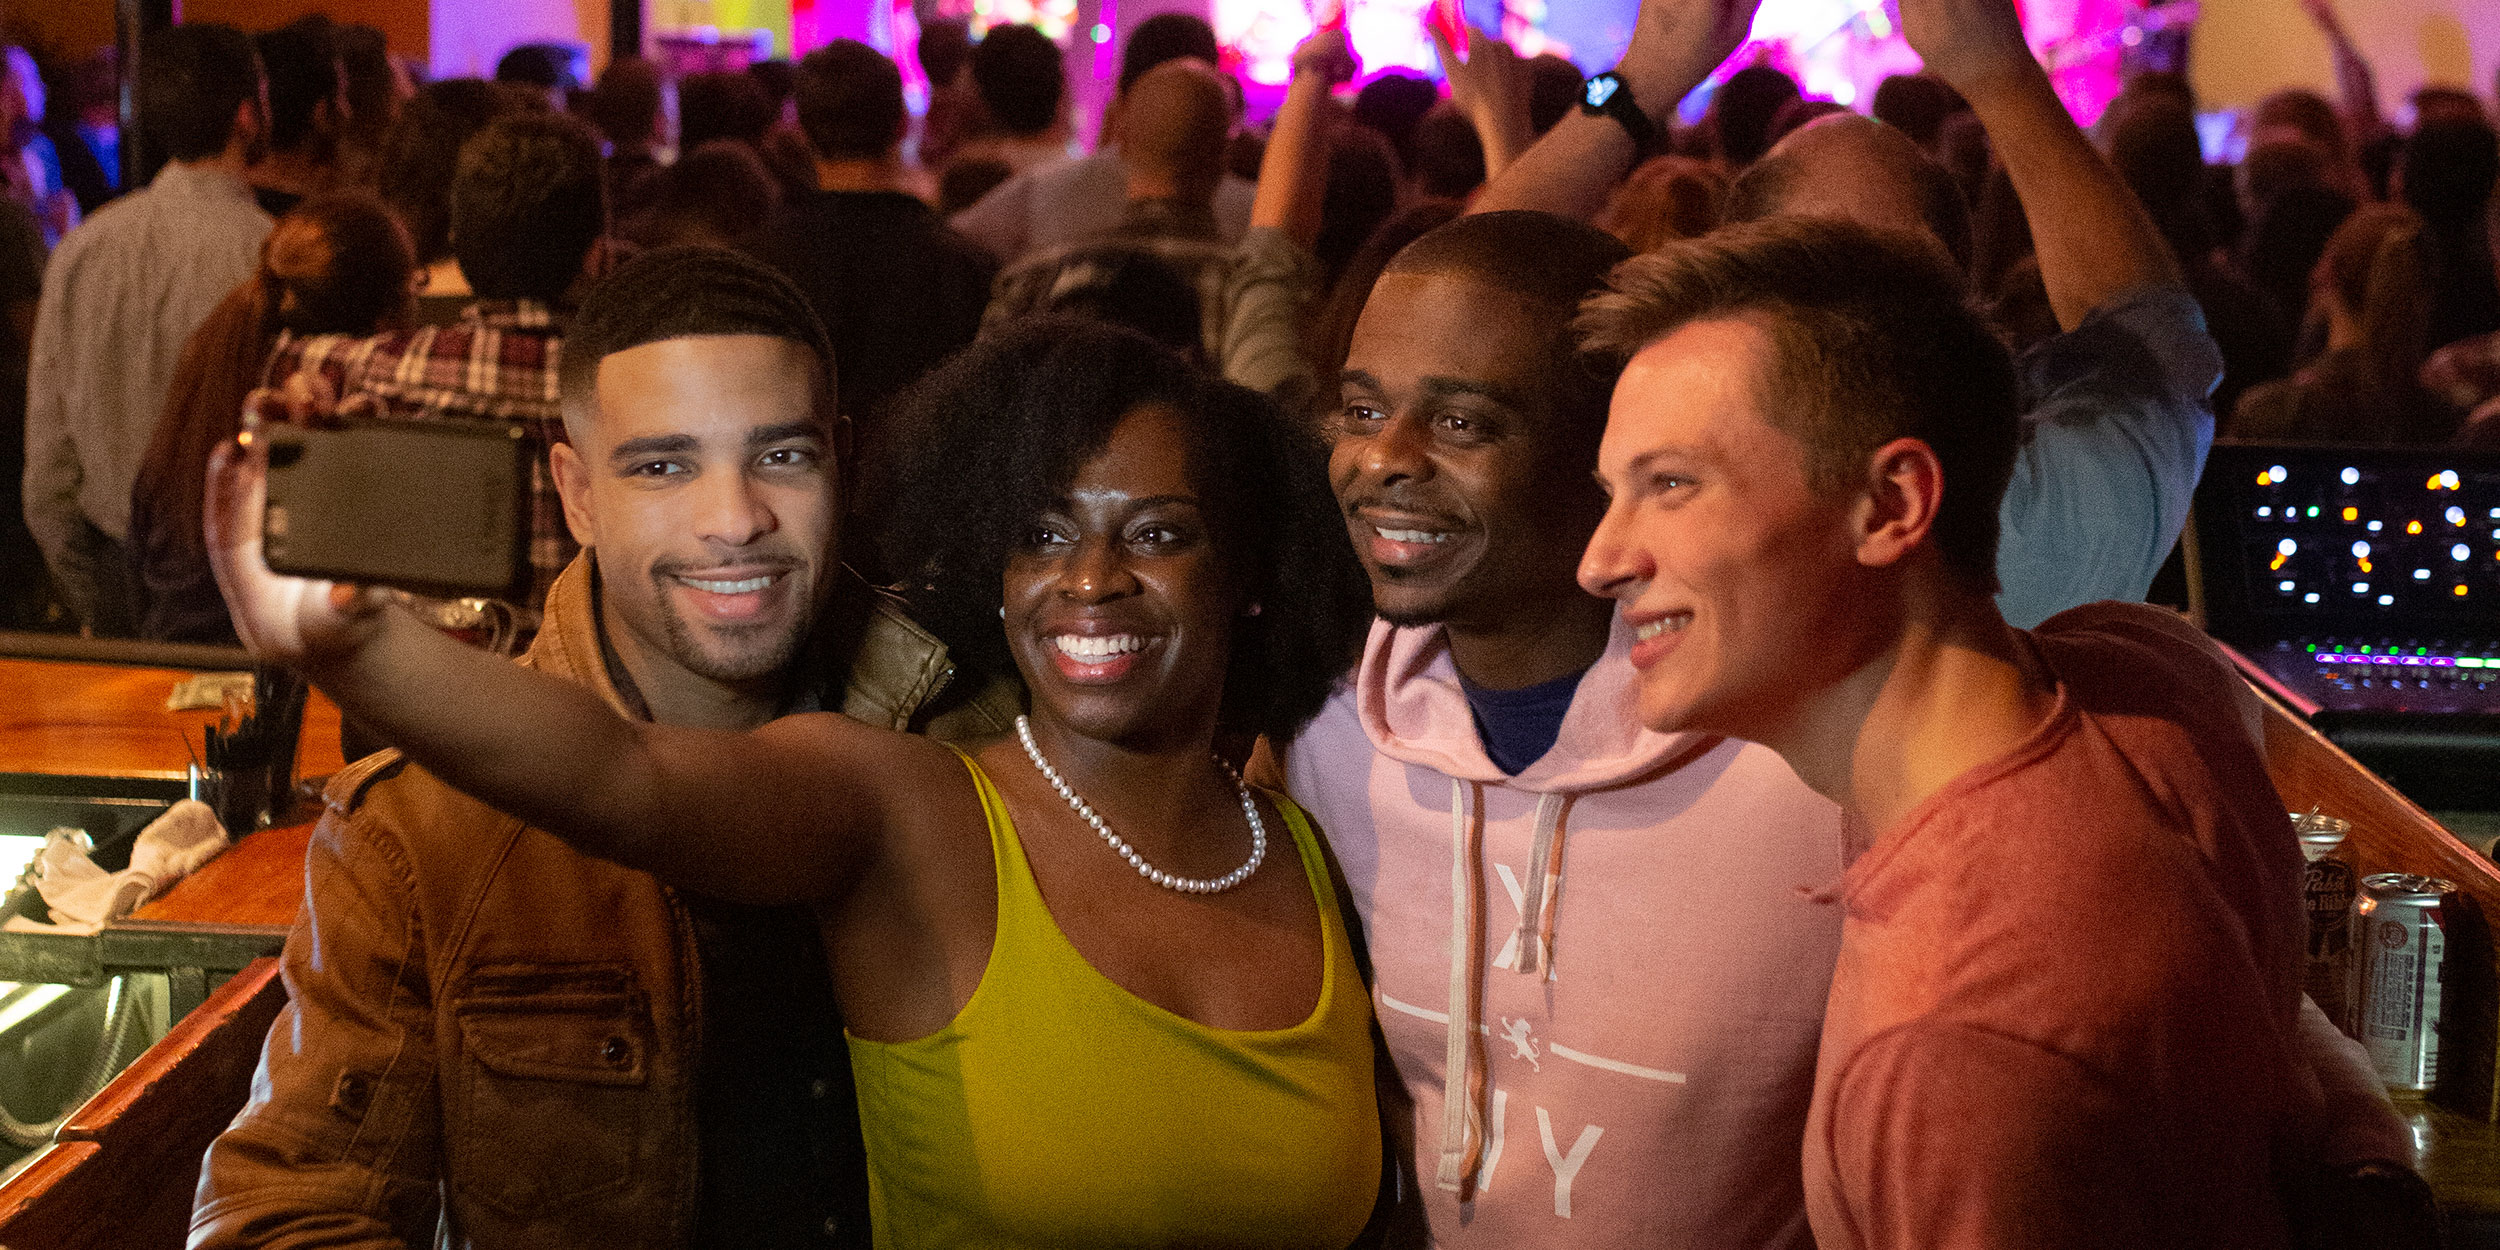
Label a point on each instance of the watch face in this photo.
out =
(1601, 89)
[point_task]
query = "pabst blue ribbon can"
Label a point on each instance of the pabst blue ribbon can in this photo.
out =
(2399, 952)
(2328, 889)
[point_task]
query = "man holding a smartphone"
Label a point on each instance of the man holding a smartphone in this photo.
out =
(548, 1049)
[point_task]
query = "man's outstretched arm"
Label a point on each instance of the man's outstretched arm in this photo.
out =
(2094, 240)
(1576, 166)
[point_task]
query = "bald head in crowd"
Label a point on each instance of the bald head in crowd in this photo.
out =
(1174, 122)
(1856, 169)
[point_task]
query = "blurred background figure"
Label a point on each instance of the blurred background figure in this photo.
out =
(337, 264)
(2374, 287)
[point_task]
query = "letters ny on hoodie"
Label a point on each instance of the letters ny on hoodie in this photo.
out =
(1600, 980)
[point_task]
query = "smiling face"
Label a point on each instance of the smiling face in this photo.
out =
(1119, 607)
(1466, 493)
(705, 484)
(1742, 582)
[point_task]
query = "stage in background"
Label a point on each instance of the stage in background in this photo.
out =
(1838, 49)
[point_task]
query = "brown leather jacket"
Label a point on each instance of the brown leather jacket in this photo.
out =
(486, 1030)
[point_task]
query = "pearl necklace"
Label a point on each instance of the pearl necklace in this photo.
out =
(1186, 885)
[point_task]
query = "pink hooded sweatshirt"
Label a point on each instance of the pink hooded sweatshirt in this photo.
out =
(1608, 957)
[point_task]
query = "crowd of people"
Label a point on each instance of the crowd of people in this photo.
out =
(1064, 688)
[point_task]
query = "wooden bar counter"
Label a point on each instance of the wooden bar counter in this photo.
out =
(121, 1169)
(133, 1150)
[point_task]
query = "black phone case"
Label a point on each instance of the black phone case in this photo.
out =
(435, 507)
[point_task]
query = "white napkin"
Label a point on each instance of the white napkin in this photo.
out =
(84, 897)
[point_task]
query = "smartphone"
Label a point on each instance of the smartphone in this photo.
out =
(435, 507)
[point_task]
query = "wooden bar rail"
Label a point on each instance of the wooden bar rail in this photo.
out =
(120, 1173)
(2457, 1131)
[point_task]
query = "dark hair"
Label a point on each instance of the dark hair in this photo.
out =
(1741, 112)
(1393, 105)
(1011, 421)
(1124, 285)
(1019, 74)
(719, 193)
(778, 77)
(683, 292)
(2289, 236)
(723, 105)
(625, 106)
(372, 82)
(2449, 165)
(2153, 144)
(548, 65)
(1916, 105)
(1872, 341)
(1550, 263)
(526, 206)
(2306, 112)
(193, 78)
(1554, 86)
(421, 152)
(1361, 192)
(850, 100)
(1449, 157)
(945, 44)
(1165, 37)
(301, 59)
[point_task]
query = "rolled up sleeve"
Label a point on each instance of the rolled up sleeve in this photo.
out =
(2118, 420)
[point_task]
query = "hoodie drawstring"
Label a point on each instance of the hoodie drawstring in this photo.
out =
(1536, 910)
(1462, 1123)
(1462, 1063)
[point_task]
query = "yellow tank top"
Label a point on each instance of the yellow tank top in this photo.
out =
(1059, 1110)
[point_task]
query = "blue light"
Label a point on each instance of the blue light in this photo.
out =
(2351, 476)
(2460, 552)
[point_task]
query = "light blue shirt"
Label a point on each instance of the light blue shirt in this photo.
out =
(2118, 418)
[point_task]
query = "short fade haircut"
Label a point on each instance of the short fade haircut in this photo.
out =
(1872, 340)
(1548, 262)
(305, 71)
(526, 205)
(1165, 37)
(192, 80)
(1019, 74)
(1011, 420)
(685, 292)
(850, 100)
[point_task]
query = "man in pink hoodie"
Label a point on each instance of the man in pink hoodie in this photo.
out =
(1592, 933)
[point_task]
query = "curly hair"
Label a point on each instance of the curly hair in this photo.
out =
(1010, 421)
(527, 203)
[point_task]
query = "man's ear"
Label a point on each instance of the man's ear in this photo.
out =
(572, 475)
(1904, 488)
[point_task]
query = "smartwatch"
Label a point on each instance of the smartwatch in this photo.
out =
(1608, 95)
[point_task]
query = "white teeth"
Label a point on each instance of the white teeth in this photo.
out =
(1411, 536)
(1671, 625)
(743, 586)
(1083, 647)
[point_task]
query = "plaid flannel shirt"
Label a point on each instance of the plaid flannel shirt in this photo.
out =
(498, 363)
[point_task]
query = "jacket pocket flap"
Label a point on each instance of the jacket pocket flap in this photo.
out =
(591, 1034)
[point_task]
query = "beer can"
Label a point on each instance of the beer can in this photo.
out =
(2328, 890)
(2400, 946)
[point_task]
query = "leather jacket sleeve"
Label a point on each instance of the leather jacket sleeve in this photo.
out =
(340, 1143)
